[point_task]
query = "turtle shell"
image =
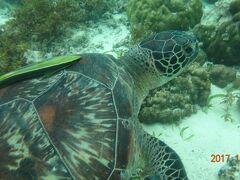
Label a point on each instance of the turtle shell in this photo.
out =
(71, 125)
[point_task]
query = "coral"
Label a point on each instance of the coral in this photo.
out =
(222, 42)
(234, 7)
(178, 98)
(230, 170)
(221, 75)
(148, 16)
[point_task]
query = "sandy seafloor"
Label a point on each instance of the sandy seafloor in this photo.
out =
(211, 134)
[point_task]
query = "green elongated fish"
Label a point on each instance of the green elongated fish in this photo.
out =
(43, 68)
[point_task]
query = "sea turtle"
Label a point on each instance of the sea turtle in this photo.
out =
(76, 117)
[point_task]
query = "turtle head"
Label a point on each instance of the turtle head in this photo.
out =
(169, 52)
(159, 58)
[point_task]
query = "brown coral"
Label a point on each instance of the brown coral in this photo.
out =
(177, 98)
(221, 75)
(221, 42)
(151, 16)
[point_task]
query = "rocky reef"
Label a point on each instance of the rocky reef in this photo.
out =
(178, 98)
(231, 170)
(151, 16)
(221, 41)
(222, 75)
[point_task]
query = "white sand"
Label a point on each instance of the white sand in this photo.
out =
(211, 135)
(104, 35)
(107, 35)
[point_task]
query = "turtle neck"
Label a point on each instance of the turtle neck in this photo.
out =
(140, 78)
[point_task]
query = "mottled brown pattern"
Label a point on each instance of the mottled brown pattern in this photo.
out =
(83, 61)
(6, 159)
(78, 113)
(123, 98)
(117, 174)
(83, 127)
(47, 114)
(3, 91)
(99, 67)
(124, 135)
(24, 145)
(29, 89)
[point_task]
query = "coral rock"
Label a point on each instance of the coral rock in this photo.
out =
(221, 75)
(150, 16)
(178, 98)
(222, 42)
(231, 170)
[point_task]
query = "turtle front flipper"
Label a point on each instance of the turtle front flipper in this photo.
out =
(152, 159)
(161, 161)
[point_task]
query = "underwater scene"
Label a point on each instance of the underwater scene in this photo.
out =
(120, 89)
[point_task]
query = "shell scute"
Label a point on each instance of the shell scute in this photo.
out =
(26, 145)
(123, 149)
(123, 99)
(99, 67)
(82, 125)
(28, 89)
(117, 174)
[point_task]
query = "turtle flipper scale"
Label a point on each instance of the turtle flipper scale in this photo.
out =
(162, 161)
(152, 159)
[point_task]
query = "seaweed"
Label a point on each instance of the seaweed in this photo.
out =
(43, 21)
(228, 100)
(11, 53)
(182, 134)
(37, 24)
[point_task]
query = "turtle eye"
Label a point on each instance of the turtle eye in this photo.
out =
(188, 49)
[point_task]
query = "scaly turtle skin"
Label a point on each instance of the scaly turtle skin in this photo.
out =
(80, 122)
